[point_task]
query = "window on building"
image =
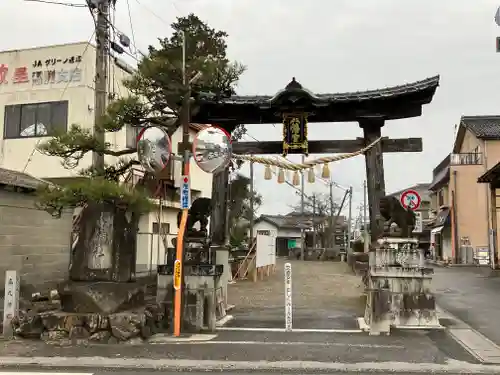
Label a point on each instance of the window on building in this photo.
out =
(35, 120)
(165, 228)
(131, 134)
(440, 198)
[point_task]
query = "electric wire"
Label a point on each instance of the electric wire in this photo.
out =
(73, 5)
(131, 27)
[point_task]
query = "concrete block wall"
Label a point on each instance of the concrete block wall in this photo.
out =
(32, 242)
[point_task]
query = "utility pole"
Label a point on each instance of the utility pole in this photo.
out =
(332, 229)
(252, 213)
(302, 230)
(101, 77)
(349, 223)
(365, 229)
(314, 221)
(185, 115)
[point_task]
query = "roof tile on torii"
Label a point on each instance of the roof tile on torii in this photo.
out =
(389, 103)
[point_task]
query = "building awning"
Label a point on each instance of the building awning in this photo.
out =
(491, 175)
(442, 219)
(437, 229)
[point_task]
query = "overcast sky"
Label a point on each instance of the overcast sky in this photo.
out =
(329, 46)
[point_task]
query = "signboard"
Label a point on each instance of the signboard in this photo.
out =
(482, 255)
(11, 301)
(295, 133)
(177, 274)
(266, 248)
(410, 199)
(288, 297)
(22, 74)
(292, 244)
(185, 193)
(419, 226)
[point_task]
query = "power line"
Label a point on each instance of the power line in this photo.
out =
(73, 5)
(131, 27)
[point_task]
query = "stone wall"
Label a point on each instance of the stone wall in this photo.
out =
(32, 242)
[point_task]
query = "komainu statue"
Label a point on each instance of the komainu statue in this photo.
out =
(199, 212)
(393, 212)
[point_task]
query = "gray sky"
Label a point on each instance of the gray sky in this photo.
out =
(329, 46)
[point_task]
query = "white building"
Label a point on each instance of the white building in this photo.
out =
(48, 88)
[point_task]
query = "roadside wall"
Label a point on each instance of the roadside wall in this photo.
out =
(32, 242)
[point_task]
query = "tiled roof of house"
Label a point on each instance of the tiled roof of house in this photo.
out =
(290, 222)
(422, 187)
(19, 179)
(483, 127)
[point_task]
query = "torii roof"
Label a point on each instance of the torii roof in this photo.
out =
(389, 103)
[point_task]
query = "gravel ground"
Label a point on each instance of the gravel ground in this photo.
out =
(324, 295)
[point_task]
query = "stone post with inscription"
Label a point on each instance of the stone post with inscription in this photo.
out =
(11, 302)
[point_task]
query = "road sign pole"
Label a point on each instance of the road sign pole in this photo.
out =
(178, 271)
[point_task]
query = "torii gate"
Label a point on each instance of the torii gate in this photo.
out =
(369, 108)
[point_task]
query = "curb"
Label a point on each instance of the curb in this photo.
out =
(280, 367)
(475, 343)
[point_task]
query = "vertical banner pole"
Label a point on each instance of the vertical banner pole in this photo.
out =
(288, 297)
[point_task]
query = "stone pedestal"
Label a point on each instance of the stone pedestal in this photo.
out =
(100, 297)
(398, 287)
(201, 282)
(222, 258)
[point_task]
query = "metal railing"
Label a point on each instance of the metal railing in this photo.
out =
(469, 158)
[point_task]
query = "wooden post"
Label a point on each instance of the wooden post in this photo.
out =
(218, 219)
(374, 173)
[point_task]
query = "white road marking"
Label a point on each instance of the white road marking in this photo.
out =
(163, 338)
(303, 330)
(300, 343)
(452, 366)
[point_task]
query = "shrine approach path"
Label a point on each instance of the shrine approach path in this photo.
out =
(325, 296)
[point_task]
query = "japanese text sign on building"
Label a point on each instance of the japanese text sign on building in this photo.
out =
(11, 301)
(51, 61)
(295, 133)
(4, 70)
(21, 74)
(419, 226)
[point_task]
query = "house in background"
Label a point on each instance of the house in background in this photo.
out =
(440, 236)
(476, 150)
(464, 220)
(288, 230)
(45, 89)
(424, 211)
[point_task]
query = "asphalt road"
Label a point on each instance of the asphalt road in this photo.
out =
(34, 371)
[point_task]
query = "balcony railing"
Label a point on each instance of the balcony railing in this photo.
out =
(470, 158)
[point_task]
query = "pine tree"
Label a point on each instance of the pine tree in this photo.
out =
(156, 92)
